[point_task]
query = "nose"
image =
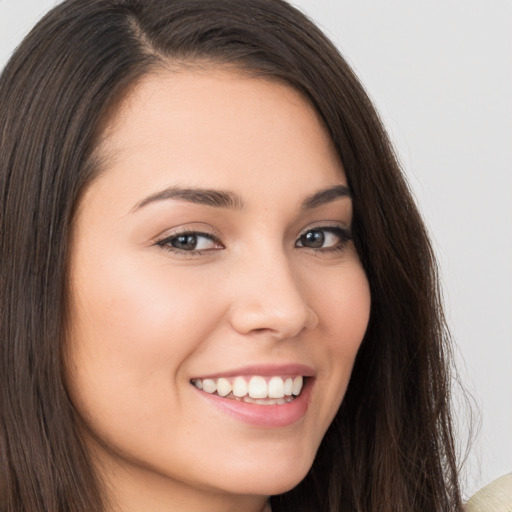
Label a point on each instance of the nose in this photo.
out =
(268, 299)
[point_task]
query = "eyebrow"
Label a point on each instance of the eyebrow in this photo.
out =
(325, 196)
(208, 197)
(232, 201)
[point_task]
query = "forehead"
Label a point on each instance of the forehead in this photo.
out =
(216, 128)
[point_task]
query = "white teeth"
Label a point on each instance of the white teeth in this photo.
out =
(240, 387)
(209, 386)
(288, 386)
(276, 391)
(297, 385)
(223, 387)
(258, 387)
(276, 387)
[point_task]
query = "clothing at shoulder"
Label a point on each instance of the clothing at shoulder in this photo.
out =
(495, 497)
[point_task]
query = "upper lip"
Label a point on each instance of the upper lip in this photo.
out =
(263, 370)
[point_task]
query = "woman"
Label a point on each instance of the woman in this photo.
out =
(216, 287)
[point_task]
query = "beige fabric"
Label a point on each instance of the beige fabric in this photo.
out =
(495, 497)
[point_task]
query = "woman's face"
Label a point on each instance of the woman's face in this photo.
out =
(214, 252)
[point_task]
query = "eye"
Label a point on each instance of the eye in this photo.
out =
(190, 242)
(324, 238)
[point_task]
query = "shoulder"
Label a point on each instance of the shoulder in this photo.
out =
(495, 497)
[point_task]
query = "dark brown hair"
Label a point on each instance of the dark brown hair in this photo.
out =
(390, 447)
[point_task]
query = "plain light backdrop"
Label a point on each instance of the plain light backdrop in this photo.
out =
(440, 74)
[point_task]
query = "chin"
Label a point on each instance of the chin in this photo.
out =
(270, 479)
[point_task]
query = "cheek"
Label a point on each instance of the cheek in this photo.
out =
(350, 315)
(344, 310)
(133, 328)
(343, 305)
(139, 311)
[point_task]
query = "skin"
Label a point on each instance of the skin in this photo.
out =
(145, 320)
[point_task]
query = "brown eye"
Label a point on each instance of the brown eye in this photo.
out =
(325, 238)
(314, 239)
(185, 242)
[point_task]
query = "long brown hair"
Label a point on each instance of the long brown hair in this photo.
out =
(390, 447)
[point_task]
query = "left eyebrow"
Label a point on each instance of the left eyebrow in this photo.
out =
(208, 197)
(325, 196)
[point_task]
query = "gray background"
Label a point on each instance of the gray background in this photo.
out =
(440, 73)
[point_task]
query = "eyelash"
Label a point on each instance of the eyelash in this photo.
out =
(344, 235)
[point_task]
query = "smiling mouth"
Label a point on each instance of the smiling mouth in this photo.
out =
(272, 390)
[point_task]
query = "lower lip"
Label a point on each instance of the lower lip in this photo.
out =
(267, 416)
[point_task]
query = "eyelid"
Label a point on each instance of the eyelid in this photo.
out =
(194, 228)
(325, 225)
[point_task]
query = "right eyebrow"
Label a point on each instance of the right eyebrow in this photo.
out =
(326, 196)
(208, 197)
